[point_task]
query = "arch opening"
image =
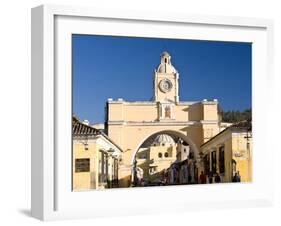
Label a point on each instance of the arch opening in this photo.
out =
(160, 155)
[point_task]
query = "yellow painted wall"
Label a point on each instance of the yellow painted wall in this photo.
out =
(235, 147)
(85, 180)
(116, 111)
(228, 159)
(130, 124)
(154, 160)
(242, 156)
(148, 112)
(210, 111)
(90, 180)
(140, 112)
(209, 131)
(133, 136)
(124, 175)
(115, 133)
(195, 112)
(182, 112)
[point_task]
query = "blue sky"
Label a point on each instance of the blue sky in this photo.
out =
(122, 67)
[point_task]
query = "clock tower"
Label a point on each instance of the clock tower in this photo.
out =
(166, 81)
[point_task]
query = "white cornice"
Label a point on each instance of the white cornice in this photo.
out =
(209, 121)
(209, 102)
(187, 102)
(156, 123)
(152, 103)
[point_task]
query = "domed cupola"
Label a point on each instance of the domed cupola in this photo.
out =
(165, 64)
(163, 140)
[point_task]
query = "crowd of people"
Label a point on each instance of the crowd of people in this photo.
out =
(216, 178)
(184, 172)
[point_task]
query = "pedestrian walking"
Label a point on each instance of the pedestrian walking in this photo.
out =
(217, 178)
(202, 178)
(238, 177)
(235, 178)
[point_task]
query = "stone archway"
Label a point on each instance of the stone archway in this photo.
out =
(158, 155)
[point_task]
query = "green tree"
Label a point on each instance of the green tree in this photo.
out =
(233, 116)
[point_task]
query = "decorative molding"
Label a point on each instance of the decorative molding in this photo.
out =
(169, 122)
(209, 121)
(187, 103)
(151, 103)
(207, 102)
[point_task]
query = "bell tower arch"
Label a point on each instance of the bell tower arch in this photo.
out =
(166, 81)
(129, 123)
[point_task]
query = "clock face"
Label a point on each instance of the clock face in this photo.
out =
(165, 85)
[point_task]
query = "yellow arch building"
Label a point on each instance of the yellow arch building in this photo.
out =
(130, 124)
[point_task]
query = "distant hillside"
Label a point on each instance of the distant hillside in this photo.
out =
(237, 116)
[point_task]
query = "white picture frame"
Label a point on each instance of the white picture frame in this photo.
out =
(52, 197)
